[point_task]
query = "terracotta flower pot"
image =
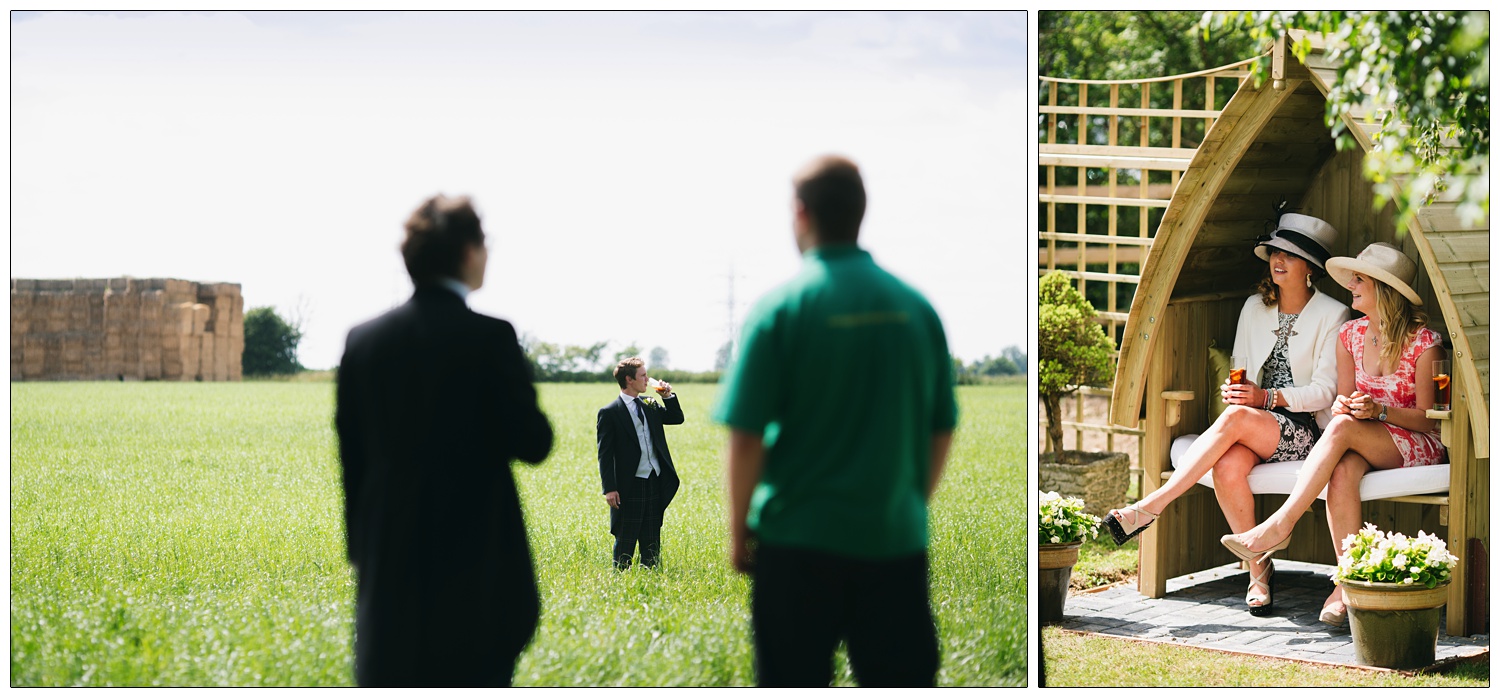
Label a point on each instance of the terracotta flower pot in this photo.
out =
(1394, 626)
(1054, 568)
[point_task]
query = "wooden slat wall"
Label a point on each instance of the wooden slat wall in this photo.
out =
(1186, 536)
(1074, 251)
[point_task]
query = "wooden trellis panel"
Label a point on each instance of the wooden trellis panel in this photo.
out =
(1118, 147)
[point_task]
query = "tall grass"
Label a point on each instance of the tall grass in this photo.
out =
(191, 534)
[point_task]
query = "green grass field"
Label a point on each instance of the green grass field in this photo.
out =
(191, 534)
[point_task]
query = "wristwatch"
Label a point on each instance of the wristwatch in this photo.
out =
(1382, 413)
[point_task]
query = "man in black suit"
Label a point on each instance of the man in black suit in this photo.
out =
(434, 401)
(635, 464)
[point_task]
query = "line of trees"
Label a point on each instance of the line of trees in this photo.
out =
(1010, 362)
(572, 363)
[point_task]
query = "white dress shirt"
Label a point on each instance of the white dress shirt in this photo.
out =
(456, 286)
(648, 463)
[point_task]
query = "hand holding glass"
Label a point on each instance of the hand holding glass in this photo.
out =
(1442, 380)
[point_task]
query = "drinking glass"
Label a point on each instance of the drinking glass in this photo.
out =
(1442, 380)
(1237, 366)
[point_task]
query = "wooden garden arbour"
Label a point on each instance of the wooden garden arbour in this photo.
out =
(1269, 144)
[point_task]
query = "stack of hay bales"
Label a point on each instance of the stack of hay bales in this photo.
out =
(127, 329)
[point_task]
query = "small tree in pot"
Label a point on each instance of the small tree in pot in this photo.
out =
(1074, 352)
(1074, 349)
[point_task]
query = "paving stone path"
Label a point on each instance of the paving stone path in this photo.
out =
(1207, 609)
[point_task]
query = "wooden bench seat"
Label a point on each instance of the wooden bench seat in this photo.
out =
(1424, 484)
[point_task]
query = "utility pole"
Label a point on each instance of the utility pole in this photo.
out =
(729, 326)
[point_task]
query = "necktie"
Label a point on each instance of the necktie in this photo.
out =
(640, 411)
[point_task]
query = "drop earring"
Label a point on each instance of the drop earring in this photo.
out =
(1309, 280)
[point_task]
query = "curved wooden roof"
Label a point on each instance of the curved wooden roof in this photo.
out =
(1267, 146)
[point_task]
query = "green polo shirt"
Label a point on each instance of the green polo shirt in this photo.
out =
(844, 371)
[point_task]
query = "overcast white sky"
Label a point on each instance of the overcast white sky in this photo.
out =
(283, 151)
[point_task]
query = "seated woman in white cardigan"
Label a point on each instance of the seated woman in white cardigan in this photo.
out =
(1288, 333)
(1380, 416)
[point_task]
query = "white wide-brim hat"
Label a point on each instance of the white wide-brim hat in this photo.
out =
(1380, 261)
(1305, 236)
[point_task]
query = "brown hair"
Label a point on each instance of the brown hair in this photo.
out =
(1270, 293)
(437, 236)
(1399, 321)
(626, 369)
(833, 193)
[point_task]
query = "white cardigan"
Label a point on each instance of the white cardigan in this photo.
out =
(1311, 350)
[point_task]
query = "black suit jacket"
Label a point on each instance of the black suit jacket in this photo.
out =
(620, 451)
(433, 403)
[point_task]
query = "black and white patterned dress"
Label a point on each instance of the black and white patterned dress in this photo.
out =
(1296, 438)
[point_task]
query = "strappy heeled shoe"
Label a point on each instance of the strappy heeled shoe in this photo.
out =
(1337, 619)
(1267, 581)
(1117, 528)
(1243, 552)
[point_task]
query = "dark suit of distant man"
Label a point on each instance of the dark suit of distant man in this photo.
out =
(434, 401)
(635, 465)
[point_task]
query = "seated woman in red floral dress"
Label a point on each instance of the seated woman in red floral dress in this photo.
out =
(1380, 416)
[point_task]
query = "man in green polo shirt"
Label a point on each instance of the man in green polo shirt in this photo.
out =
(841, 411)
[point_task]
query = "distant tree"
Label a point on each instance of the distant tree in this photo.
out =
(722, 356)
(270, 344)
(1119, 45)
(564, 362)
(1426, 73)
(1017, 356)
(1074, 349)
(658, 360)
(995, 366)
(961, 374)
(629, 351)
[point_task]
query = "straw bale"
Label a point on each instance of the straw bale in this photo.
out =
(189, 361)
(221, 356)
(150, 363)
(206, 365)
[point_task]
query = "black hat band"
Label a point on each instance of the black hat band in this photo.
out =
(1309, 245)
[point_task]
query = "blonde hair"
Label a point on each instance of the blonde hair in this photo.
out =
(1399, 321)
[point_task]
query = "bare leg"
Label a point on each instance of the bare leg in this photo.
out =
(1368, 439)
(1232, 489)
(1254, 429)
(1345, 511)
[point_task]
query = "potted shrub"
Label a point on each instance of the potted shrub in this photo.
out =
(1396, 587)
(1062, 525)
(1074, 352)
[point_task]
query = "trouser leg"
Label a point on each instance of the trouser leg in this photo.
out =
(650, 537)
(794, 611)
(624, 550)
(650, 541)
(892, 638)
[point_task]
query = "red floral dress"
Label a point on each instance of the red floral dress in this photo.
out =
(1396, 390)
